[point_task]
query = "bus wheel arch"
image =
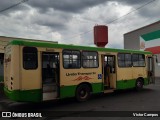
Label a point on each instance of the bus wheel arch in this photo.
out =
(83, 92)
(139, 83)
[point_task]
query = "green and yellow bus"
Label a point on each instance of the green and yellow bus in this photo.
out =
(40, 71)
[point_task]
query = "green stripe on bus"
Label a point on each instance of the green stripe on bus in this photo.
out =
(69, 91)
(151, 36)
(97, 87)
(124, 84)
(36, 95)
(76, 47)
(65, 91)
(24, 95)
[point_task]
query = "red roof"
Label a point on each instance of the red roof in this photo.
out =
(154, 50)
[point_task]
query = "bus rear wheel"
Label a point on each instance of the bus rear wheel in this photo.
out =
(139, 84)
(83, 93)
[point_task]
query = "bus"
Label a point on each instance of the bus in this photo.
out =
(40, 71)
(1, 68)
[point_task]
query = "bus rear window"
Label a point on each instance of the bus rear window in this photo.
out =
(30, 60)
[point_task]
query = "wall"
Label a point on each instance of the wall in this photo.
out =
(132, 40)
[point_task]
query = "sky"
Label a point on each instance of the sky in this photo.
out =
(72, 21)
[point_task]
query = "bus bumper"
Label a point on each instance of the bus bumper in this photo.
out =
(25, 95)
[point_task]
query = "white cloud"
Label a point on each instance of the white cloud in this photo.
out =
(56, 36)
(75, 27)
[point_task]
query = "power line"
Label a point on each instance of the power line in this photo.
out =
(117, 18)
(76, 35)
(13, 6)
(132, 11)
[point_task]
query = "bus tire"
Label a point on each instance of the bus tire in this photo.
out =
(83, 93)
(139, 84)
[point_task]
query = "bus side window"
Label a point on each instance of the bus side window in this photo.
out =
(71, 59)
(124, 60)
(138, 60)
(90, 59)
(30, 60)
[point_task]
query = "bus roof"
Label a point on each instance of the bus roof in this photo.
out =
(76, 47)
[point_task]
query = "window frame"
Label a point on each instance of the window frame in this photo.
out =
(124, 60)
(36, 58)
(139, 60)
(72, 59)
(90, 59)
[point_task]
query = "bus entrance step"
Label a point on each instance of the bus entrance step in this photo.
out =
(49, 96)
(109, 91)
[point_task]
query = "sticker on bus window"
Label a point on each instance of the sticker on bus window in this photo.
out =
(99, 76)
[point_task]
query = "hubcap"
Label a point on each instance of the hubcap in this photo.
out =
(83, 94)
(139, 84)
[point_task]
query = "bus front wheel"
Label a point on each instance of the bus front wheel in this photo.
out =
(83, 92)
(139, 84)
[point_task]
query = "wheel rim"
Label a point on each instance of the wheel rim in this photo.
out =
(139, 84)
(83, 94)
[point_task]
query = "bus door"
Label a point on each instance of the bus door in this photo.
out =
(50, 75)
(150, 70)
(109, 70)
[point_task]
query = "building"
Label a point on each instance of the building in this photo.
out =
(3, 42)
(145, 38)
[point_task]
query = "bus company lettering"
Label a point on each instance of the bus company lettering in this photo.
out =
(75, 74)
(71, 74)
